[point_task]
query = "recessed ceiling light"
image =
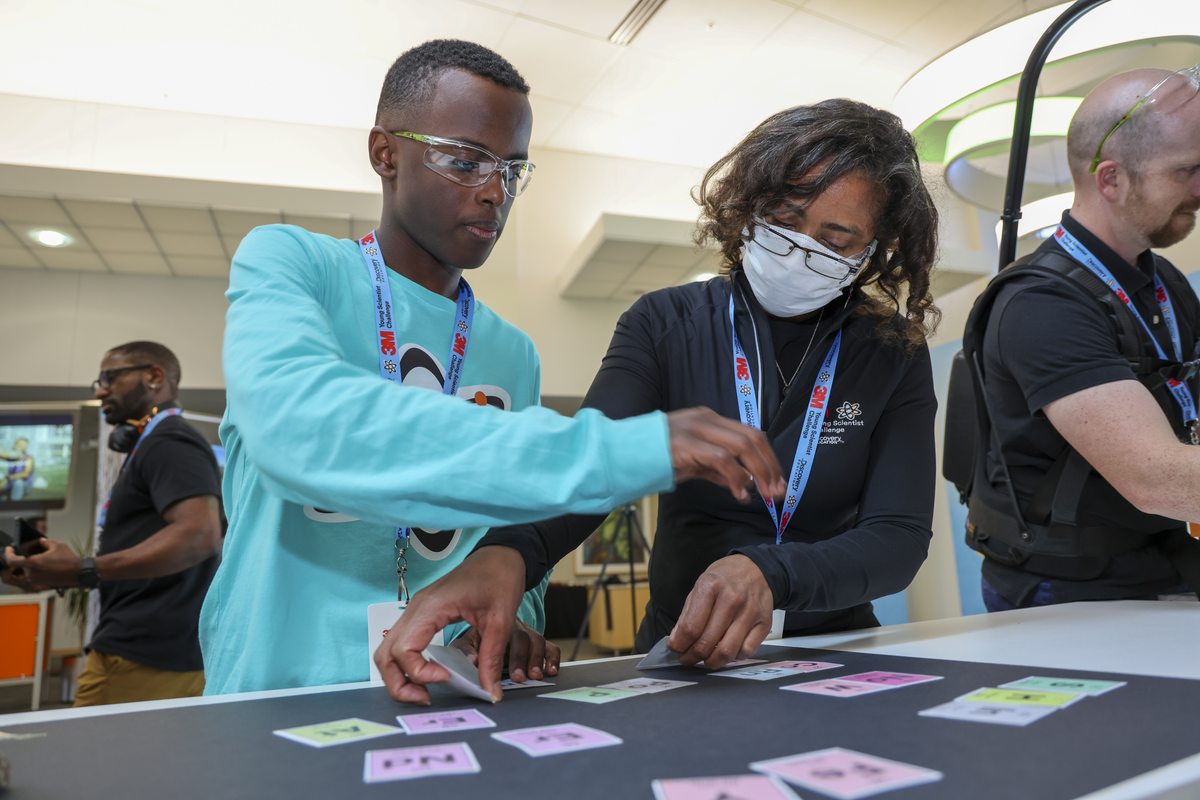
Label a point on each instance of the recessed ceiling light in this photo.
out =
(51, 238)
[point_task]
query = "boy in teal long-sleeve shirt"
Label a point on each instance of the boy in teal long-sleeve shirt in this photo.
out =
(345, 459)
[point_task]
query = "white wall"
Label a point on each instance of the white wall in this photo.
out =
(67, 320)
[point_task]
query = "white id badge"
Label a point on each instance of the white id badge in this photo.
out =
(777, 624)
(380, 618)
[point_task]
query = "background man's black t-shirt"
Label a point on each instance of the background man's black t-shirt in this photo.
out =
(154, 621)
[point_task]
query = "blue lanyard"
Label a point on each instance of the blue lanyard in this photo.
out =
(1179, 390)
(389, 367)
(810, 432)
(150, 426)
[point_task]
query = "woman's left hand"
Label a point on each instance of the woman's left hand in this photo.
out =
(726, 616)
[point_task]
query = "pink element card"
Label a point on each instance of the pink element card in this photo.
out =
(548, 740)
(779, 669)
(443, 721)
(405, 763)
(846, 774)
(890, 678)
(835, 687)
(726, 787)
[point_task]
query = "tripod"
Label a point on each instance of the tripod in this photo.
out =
(627, 524)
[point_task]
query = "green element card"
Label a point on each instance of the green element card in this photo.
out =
(327, 734)
(1041, 683)
(592, 694)
(1022, 697)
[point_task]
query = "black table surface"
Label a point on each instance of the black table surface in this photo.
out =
(716, 727)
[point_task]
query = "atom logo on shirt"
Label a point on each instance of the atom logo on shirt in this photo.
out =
(420, 369)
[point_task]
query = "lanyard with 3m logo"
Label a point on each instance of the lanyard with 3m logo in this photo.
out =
(810, 433)
(1179, 389)
(389, 368)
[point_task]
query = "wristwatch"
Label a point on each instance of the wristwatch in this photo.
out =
(88, 578)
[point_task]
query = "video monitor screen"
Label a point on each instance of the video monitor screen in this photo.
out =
(35, 460)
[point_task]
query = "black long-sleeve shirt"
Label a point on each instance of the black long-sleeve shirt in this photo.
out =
(862, 526)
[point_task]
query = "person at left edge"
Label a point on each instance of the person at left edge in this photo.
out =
(327, 459)
(160, 539)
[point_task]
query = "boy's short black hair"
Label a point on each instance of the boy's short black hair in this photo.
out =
(412, 77)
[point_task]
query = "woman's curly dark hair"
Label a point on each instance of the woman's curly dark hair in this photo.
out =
(799, 153)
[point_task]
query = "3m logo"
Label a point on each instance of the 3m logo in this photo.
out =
(1160, 294)
(742, 369)
(818, 397)
(460, 344)
(1124, 298)
(387, 343)
(369, 238)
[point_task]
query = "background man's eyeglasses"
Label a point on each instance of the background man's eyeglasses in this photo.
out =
(1191, 78)
(106, 376)
(469, 165)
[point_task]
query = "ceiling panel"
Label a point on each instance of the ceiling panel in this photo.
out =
(126, 241)
(190, 244)
(684, 29)
(104, 214)
(137, 263)
(75, 259)
(597, 18)
(559, 63)
(231, 243)
(39, 210)
(17, 258)
(199, 267)
(330, 226)
(8, 239)
(239, 223)
(548, 115)
(178, 220)
(884, 20)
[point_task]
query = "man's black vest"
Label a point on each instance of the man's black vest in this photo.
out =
(1044, 536)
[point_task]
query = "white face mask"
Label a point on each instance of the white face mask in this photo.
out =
(792, 274)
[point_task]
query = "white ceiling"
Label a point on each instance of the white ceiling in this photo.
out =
(130, 238)
(700, 74)
(695, 80)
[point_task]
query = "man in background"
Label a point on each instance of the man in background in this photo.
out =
(1088, 360)
(159, 543)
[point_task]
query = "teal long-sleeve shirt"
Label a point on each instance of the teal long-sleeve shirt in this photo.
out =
(325, 458)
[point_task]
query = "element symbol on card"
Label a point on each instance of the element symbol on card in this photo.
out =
(778, 669)
(1020, 697)
(991, 713)
(846, 774)
(1074, 685)
(327, 734)
(836, 688)
(442, 721)
(591, 694)
(405, 763)
(725, 787)
(646, 685)
(890, 678)
(554, 739)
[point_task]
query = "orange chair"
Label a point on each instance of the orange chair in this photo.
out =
(23, 635)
